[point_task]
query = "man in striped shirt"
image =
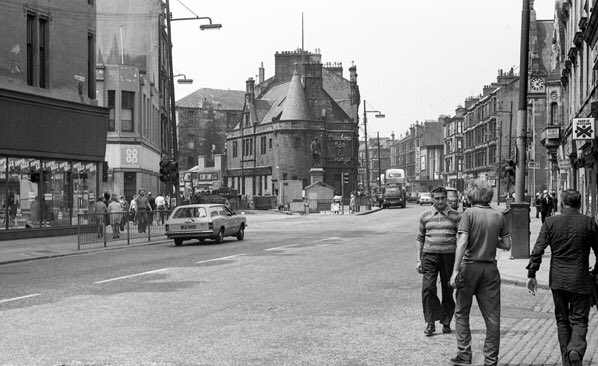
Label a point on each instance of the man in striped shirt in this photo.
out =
(436, 244)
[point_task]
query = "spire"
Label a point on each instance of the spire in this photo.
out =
(295, 105)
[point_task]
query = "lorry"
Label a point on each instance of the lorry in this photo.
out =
(393, 190)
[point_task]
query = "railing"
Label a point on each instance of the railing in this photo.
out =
(120, 227)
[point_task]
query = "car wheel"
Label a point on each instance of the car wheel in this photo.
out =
(241, 233)
(201, 240)
(219, 237)
(178, 242)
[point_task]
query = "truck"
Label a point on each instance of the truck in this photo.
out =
(393, 189)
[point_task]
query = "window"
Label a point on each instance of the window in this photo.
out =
(235, 149)
(553, 113)
(91, 66)
(263, 145)
(191, 141)
(43, 52)
(111, 104)
(270, 144)
(127, 108)
(31, 36)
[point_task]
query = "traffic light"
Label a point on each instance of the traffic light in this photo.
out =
(346, 178)
(164, 171)
(173, 172)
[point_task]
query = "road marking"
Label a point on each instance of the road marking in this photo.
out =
(282, 247)
(19, 298)
(326, 239)
(133, 275)
(220, 259)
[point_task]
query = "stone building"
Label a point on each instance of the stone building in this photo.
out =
(133, 82)
(283, 116)
(204, 118)
(53, 137)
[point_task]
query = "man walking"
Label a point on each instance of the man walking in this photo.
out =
(436, 242)
(475, 264)
(545, 205)
(570, 237)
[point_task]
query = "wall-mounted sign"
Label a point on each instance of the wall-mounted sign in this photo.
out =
(553, 132)
(584, 129)
(129, 156)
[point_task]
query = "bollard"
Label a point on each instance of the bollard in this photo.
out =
(520, 231)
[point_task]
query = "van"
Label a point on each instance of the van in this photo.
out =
(452, 198)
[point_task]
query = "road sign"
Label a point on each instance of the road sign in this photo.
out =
(533, 165)
(584, 129)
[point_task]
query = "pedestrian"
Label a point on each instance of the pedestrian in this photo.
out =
(545, 205)
(555, 202)
(142, 206)
(133, 209)
(481, 231)
(436, 243)
(152, 208)
(99, 215)
(352, 204)
(161, 207)
(114, 210)
(570, 236)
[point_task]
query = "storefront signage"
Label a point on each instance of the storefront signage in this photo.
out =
(584, 129)
(553, 133)
(339, 145)
(129, 156)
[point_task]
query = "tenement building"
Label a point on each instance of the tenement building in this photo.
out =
(53, 136)
(304, 117)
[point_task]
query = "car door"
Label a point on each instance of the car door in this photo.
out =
(234, 221)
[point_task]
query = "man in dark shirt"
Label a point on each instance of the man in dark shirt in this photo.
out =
(570, 237)
(545, 205)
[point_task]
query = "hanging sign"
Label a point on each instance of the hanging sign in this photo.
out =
(584, 129)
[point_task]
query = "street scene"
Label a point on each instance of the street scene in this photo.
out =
(299, 290)
(298, 183)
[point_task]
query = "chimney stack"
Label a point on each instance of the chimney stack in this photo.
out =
(250, 90)
(261, 74)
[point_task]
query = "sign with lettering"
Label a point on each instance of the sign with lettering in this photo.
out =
(339, 148)
(584, 129)
(129, 155)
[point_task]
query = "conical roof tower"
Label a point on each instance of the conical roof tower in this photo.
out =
(295, 104)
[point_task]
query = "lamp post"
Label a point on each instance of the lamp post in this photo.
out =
(379, 169)
(175, 147)
(365, 132)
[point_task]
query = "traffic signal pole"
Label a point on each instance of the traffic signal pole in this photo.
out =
(519, 211)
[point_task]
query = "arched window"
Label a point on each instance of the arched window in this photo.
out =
(554, 114)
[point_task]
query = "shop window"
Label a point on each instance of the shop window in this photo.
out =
(111, 104)
(57, 196)
(127, 111)
(84, 187)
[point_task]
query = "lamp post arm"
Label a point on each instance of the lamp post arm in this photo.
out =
(193, 18)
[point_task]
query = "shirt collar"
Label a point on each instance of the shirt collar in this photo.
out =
(444, 212)
(570, 211)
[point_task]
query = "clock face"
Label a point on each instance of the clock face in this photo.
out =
(537, 84)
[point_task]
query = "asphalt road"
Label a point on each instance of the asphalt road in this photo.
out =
(309, 290)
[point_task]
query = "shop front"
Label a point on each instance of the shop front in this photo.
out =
(51, 155)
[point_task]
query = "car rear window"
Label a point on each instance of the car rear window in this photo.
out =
(189, 212)
(452, 195)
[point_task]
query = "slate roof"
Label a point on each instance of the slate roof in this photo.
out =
(221, 99)
(295, 105)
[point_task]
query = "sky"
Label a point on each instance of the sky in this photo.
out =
(415, 59)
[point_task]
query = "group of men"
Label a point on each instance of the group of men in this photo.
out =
(546, 204)
(461, 248)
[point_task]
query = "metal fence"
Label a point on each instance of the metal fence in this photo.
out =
(121, 227)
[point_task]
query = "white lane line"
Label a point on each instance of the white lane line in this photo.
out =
(18, 298)
(326, 239)
(282, 247)
(220, 259)
(133, 275)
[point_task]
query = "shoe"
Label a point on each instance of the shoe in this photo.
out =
(430, 329)
(446, 328)
(574, 358)
(460, 361)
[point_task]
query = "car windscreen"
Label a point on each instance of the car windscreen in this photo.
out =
(185, 212)
(451, 195)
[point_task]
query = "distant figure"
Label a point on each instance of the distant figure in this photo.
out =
(352, 204)
(316, 151)
(545, 205)
(555, 202)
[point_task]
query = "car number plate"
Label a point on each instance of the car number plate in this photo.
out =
(186, 227)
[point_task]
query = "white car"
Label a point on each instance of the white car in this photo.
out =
(425, 198)
(204, 221)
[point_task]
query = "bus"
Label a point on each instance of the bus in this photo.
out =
(393, 189)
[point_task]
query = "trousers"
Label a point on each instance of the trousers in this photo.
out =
(433, 264)
(481, 279)
(571, 311)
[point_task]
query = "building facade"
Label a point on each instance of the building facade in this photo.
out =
(282, 118)
(204, 117)
(53, 136)
(133, 82)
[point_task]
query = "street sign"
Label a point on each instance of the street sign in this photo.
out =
(584, 129)
(533, 165)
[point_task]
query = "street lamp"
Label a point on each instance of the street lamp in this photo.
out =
(184, 80)
(175, 147)
(365, 132)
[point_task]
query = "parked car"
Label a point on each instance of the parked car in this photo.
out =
(425, 198)
(452, 198)
(204, 221)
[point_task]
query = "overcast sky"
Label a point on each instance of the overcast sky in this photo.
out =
(416, 59)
